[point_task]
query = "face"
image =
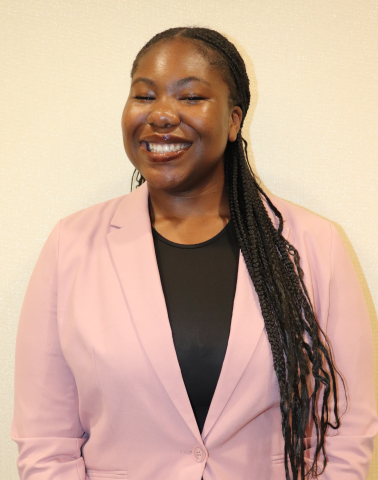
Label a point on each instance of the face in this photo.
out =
(177, 119)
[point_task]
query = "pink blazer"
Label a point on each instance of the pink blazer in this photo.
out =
(98, 389)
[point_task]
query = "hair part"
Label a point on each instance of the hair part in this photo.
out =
(302, 356)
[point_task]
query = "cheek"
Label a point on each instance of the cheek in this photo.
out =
(132, 118)
(212, 125)
(132, 122)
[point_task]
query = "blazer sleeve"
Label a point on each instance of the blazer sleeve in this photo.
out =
(349, 450)
(46, 423)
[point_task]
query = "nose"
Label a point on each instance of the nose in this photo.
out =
(163, 115)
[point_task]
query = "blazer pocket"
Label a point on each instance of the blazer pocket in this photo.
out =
(277, 459)
(280, 460)
(106, 474)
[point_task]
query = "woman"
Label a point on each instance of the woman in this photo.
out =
(128, 363)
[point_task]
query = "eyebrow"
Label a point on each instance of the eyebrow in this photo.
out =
(180, 83)
(186, 80)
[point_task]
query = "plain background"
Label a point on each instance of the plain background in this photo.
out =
(64, 79)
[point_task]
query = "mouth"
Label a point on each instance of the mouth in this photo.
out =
(163, 152)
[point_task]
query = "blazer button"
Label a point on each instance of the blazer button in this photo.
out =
(199, 454)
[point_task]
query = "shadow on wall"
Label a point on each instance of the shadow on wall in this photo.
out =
(361, 277)
(352, 253)
(253, 103)
(247, 128)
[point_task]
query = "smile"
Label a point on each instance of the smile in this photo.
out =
(165, 147)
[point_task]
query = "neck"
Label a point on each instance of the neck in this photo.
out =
(192, 216)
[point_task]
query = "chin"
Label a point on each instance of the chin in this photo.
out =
(165, 181)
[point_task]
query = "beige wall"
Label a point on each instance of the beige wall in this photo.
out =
(64, 79)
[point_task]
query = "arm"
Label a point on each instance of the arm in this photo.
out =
(350, 449)
(46, 423)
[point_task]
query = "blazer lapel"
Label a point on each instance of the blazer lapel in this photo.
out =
(247, 325)
(246, 328)
(132, 250)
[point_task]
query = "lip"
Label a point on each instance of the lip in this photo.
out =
(167, 138)
(164, 157)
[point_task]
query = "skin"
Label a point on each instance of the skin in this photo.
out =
(187, 195)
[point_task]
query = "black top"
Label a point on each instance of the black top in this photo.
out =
(199, 283)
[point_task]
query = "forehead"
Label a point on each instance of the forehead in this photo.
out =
(173, 59)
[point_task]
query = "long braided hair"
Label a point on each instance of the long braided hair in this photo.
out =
(301, 353)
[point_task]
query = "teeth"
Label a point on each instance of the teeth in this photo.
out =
(166, 147)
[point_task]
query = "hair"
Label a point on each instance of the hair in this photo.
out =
(302, 356)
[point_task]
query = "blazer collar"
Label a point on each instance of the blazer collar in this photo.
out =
(132, 249)
(136, 203)
(131, 206)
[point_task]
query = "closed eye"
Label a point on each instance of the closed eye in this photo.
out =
(146, 97)
(193, 98)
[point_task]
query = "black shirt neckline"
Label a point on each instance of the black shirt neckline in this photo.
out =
(194, 245)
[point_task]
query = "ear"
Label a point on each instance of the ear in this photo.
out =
(236, 117)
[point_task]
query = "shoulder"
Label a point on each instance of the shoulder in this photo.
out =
(93, 216)
(315, 238)
(99, 218)
(305, 229)
(80, 231)
(323, 256)
(299, 219)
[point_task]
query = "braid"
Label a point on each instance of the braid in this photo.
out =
(300, 350)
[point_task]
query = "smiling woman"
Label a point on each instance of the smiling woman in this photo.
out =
(176, 125)
(197, 327)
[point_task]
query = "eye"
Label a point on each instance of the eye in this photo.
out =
(144, 97)
(193, 98)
